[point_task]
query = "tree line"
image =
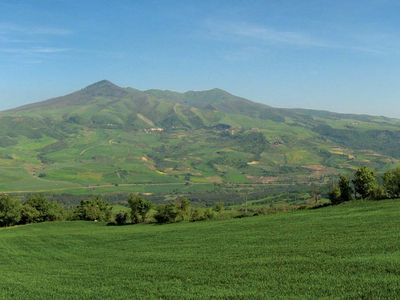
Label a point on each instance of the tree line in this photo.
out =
(180, 209)
(365, 184)
(362, 184)
(38, 209)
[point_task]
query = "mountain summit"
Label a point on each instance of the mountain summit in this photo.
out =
(105, 88)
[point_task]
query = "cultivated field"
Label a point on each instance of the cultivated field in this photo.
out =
(347, 251)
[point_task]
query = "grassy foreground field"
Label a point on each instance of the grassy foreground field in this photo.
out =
(349, 251)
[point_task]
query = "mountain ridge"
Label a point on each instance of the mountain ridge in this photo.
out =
(104, 135)
(108, 85)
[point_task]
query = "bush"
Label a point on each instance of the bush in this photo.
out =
(209, 213)
(183, 206)
(365, 183)
(94, 209)
(342, 192)
(346, 192)
(38, 209)
(10, 211)
(140, 207)
(391, 182)
(334, 195)
(202, 214)
(197, 215)
(219, 207)
(379, 193)
(166, 214)
(121, 218)
(28, 214)
(179, 210)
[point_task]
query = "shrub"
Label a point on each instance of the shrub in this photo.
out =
(94, 209)
(197, 215)
(378, 193)
(364, 183)
(140, 207)
(28, 214)
(121, 218)
(334, 195)
(391, 182)
(183, 206)
(346, 191)
(219, 207)
(166, 214)
(10, 211)
(209, 213)
(201, 214)
(39, 209)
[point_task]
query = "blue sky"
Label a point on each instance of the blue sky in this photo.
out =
(337, 55)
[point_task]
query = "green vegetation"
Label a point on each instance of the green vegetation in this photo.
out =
(365, 185)
(95, 209)
(105, 139)
(346, 251)
(342, 192)
(36, 209)
(391, 181)
(148, 152)
(9, 211)
(140, 208)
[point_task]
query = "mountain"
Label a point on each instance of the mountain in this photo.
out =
(108, 136)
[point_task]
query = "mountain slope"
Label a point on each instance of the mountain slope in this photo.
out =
(105, 135)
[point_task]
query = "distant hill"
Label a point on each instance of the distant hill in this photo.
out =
(106, 135)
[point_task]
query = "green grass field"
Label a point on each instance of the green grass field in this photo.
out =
(349, 251)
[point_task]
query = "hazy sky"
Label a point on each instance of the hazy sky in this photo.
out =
(336, 55)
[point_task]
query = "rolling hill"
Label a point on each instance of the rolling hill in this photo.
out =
(110, 138)
(349, 251)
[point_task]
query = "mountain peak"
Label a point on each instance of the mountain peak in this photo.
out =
(105, 88)
(101, 84)
(218, 90)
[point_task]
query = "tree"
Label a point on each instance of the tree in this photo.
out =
(183, 206)
(197, 215)
(121, 218)
(28, 214)
(342, 191)
(140, 207)
(364, 183)
(219, 207)
(345, 189)
(39, 209)
(391, 183)
(378, 193)
(10, 211)
(166, 213)
(95, 209)
(334, 195)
